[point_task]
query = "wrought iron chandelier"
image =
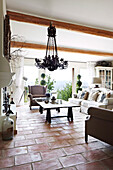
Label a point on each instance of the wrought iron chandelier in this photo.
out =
(51, 60)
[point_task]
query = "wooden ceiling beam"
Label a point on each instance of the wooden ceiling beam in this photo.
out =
(63, 49)
(63, 25)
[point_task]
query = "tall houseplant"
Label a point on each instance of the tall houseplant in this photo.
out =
(78, 84)
(66, 92)
(43, 82)
(50, 84)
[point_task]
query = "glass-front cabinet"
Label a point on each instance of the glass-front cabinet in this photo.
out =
(106, 74)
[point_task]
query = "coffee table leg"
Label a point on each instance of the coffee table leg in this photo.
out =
(70, 114)
(41, 110)
(48, 116)
(58, 109)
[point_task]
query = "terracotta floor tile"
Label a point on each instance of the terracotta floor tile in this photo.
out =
(94, 155)
(76, 141)
(55, 129)
(74, 149)
(51, 134)
(6, 162)
(91, 166)
(108, 151)
(38, 148)
(51, 154)
(94, 145)
(34, 136)
(18, 137)
(67, 127)
(59, 144)
(27, 132)
(69, 168)
(27, 158)
(14, 151)
(45, 140)
(24, 143)
(77, 135)
(108, 163)
(7, 144)
(63, 137)
(72, 160)
(70, 131)
(49, 165)
(21, 167)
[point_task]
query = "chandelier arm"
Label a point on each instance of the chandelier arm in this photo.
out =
(55, 45)
(47, 46)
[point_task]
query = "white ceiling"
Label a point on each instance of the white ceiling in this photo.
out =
(92, 13)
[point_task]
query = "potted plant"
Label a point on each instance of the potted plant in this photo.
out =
(43, 82)
(78, 84)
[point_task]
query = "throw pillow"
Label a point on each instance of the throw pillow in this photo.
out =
(103, 97)
(99, 96)
(79, 94)
(93, 96)
(82, 95)
(90, 95)
(86, 95)
(108, 95)
(75, 95)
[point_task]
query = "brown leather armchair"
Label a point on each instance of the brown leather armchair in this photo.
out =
(36, 91)
(99, 124)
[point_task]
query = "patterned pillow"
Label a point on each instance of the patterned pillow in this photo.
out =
(86, 95)
(93, 96)
(82, 95)
(108, 95)
(101, 97)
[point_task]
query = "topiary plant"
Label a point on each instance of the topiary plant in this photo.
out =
(78, 84)
(43, 82)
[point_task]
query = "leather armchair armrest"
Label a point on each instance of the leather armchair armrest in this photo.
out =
(30, 95)
(101, 113)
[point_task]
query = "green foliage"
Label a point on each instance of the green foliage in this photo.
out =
(78, 84)
(50, 84)
(43, 75)
(43, 82)
(79, 77)
(26, 91)
(66, 93)
(36, 81)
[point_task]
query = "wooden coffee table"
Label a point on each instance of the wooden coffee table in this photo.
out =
(50, 106)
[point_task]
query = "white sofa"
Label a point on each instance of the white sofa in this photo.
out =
(96, 97)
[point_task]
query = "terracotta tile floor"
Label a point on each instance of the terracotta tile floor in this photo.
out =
(40, 146)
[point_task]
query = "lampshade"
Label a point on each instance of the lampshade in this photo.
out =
(96, 80)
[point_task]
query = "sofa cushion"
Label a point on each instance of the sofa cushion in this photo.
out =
(88, 104)
(75, 101)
